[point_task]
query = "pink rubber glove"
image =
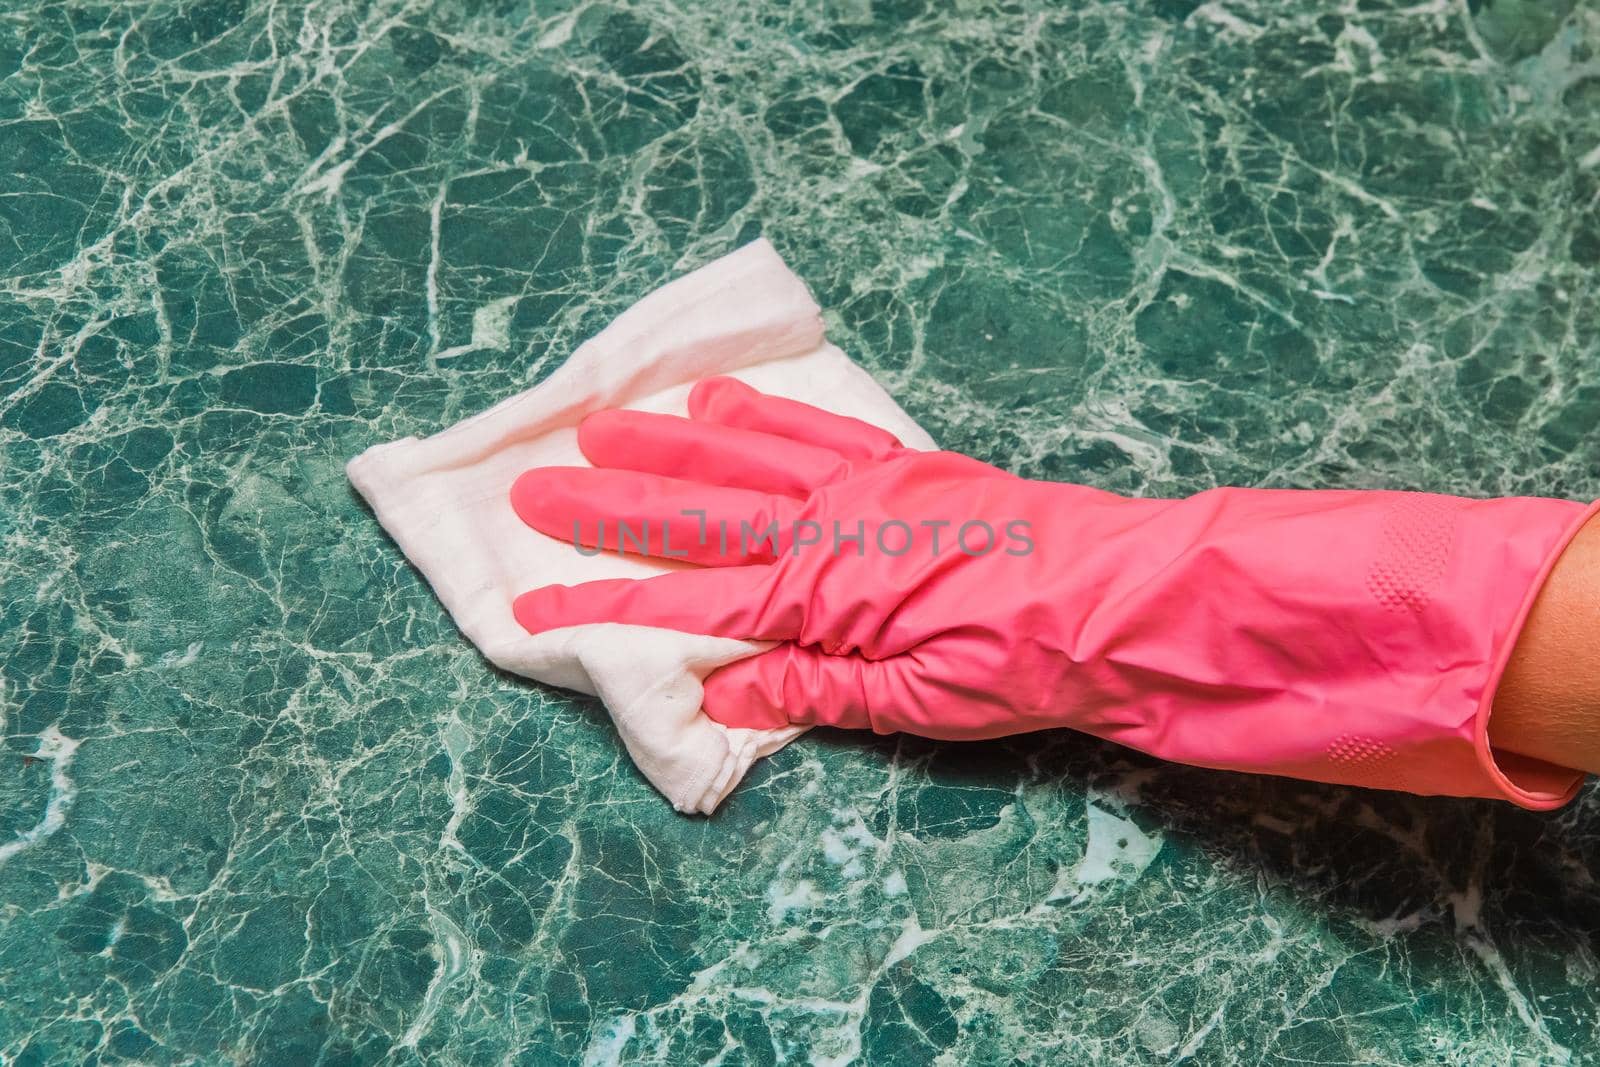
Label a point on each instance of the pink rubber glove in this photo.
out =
(1341, 636)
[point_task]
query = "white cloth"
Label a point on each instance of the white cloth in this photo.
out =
(446, 502)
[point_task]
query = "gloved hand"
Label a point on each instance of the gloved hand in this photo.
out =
(1340, 636)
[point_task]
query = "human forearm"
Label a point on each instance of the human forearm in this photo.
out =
(1548, 703)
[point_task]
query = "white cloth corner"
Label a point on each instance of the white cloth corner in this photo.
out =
(445, 500)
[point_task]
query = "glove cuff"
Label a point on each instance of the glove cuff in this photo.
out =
(1528, 782)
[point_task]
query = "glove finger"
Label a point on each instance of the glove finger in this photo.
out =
(648, 514)
(706, 452)
(736, 602)
(730, 402)
(800, 684)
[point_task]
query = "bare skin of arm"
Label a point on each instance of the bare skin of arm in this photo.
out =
(1548, 703)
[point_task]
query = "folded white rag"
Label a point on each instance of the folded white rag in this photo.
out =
(446, 502)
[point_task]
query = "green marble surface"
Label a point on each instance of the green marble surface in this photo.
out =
(260, 803)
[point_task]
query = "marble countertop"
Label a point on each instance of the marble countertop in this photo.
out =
(260, 803)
